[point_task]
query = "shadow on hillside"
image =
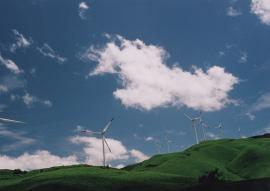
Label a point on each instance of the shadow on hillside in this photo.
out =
(249, 185)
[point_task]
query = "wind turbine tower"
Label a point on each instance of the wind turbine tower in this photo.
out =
(195, 121)
(103, 139)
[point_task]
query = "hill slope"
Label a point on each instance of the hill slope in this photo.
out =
(238, 161)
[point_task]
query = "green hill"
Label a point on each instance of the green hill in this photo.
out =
(242, 164)
(238, 159)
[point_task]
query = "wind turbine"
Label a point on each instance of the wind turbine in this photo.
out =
(204, 125)
(158, 146)
(220, 126)
(168, 141)
(9, 120)
(194, 121)
(102, 134)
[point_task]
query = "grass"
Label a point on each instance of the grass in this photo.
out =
(237, 160)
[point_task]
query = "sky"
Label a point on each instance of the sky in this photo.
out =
(72, 65)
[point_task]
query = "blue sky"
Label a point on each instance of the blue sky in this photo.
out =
(146, 63)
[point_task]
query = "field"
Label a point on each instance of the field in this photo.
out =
(242, 164)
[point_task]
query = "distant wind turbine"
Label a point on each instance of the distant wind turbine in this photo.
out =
(104, 142)
(9, 120)
(194, 122)
(168, 142)
(158, 146)
(220, 126)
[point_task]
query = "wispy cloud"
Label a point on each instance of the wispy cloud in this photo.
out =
(262, 103)
(10, 65)
(243, 58)
(149, 138)
(30, 100)
(232, 12)
(83, 7)
(20, 139)
(212, 136)
(3, 89)
(261, 8)
(21, 41)
(11, 82)
(145, 76)
(48, 51)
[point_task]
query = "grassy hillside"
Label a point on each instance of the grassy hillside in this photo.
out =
(237, 160)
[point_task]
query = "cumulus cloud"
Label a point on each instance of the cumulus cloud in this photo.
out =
(37, 160)
(261, 8)
(21, 41)
(147, 81)
(30, 100)
(10, 65)
(138, 155)
(93, 149)
(47, 51)
(232, 12)
(19, 138)
(83, 7)
(262, 103)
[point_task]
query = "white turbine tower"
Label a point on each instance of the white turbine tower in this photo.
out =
(104, 142)
(204, 126)
(168, 142)
(5, 120)
(194, 122)
(158, 146)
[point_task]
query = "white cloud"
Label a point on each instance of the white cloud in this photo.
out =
(3, 89)
(47, 51)
(10, 65)
(93, 149)
(30, 100)
(263, 131)
(261, 8)
(21, 41)
(147, 82)
(83, 7)
(243, 58)
(232, 12)
(33, 71)
(37, 160)
(149, 138)
(262, 103)
(212, 135)
(12, 82)
(138, 155)
(120, 166)
(20, 139)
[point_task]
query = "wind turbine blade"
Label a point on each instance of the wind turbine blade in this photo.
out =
(10, 120)
(107, 126)
(107, 144)
(188, 117)
(90, 132)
